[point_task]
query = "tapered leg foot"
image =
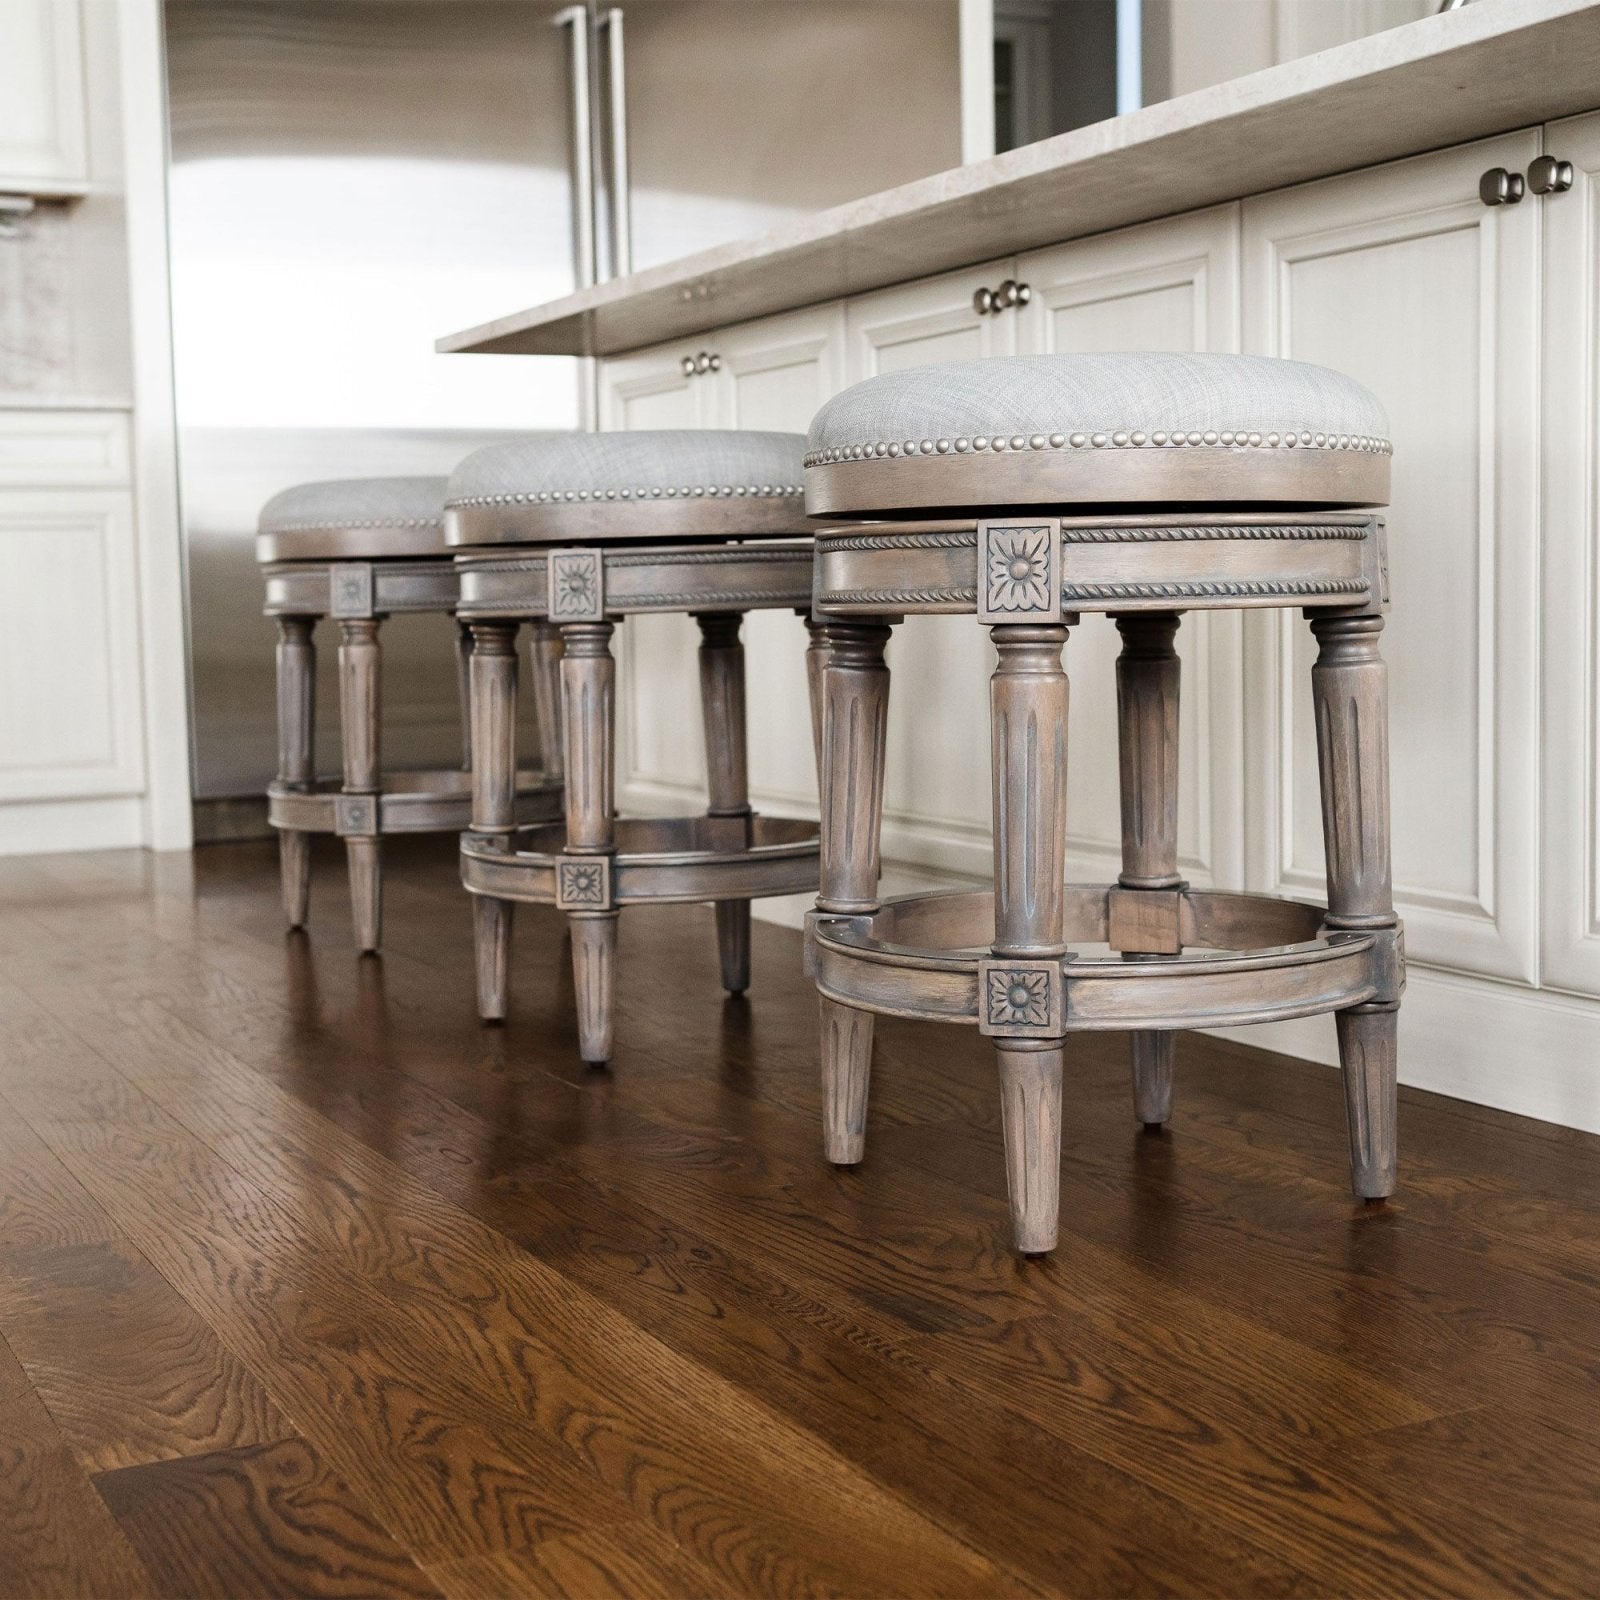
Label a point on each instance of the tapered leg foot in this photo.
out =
(846, 1074)
(594, 966)
(491, 949)
(1367, 1054)
(733, 944)
(294, 865)
(1030, 1111)
(366, 891)
(1152, 1077)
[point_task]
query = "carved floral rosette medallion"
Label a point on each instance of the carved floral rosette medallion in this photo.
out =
(1019, 571)
(1020, 999)
(583, 883)
(350, 589)
(577, 586)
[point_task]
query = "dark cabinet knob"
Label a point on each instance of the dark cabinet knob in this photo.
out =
(1547, 175)
(1497, 187)
(983, 302)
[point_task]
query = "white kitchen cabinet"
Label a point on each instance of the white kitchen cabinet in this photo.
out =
(71, 700)
(1170, 285)
(923, 323)
(656, 389)
(1404, 279)
(43, 129)
(1570, 425)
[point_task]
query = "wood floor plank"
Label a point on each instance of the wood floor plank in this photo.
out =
(128, 1370)
(57, 1539)
(257, 1523)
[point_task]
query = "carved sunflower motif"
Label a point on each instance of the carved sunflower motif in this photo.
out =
(575, 591)
(1018, 999)
(1019, 570)
(582, 884)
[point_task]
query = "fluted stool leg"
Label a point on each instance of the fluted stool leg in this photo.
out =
(493, 725)
(588, 693)
(359, 713)
(1147, 742)
(297, 702)
(855, 718)
(727, 768)
(545, 652)
(1349, 686)
(1022, 1002)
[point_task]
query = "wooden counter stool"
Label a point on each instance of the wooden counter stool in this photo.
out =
(1144, 486)
(574, 532)
(359, 550)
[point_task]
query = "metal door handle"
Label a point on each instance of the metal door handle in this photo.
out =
(621, 185)
(1497, 187)
(1547, 175)
(577, 19)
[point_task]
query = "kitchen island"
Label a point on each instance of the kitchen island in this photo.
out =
(1359, 208)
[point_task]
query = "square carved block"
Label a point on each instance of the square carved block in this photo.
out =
(1144, 921)
(583, 883)
(350, 589)
(355, 814)
(577, 586)
(1021, 999)
(1019, 571)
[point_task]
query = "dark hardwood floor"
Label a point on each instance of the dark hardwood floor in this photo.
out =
(311, 1285)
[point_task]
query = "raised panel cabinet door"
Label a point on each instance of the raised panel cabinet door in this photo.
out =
(654, 390)
(936, 791)
(71, 710)
(43, 136)
(1401, 277)
(1169, 285)
(775, 374)
(1569, 420)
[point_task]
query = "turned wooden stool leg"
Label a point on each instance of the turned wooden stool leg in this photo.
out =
(1147, 743)
(816, 663)
(297, 703)
(583, 882)
(493, 724)
(1349, 686)
(545, 651)
(359, 711)
(722, 711)
(855, 719)
(464, 690)
(1022, 1001)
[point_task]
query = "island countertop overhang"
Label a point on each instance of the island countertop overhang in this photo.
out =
(1448, 79)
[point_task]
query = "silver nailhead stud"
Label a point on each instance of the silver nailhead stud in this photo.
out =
(999, 444)
(1210, 436)
(1057, 440)
(1079, 440)
(1036, 442)
(942, 446)
(981, 442)
(1138, 438)
(963, 445)
(1158, 437)
(1019, 441)
(894, 448)
(1119, 439)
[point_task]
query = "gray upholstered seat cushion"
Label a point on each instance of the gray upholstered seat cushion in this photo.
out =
(364, 518)
(688, 463)
(1094, 401)
(1062, 430)
(684, 483)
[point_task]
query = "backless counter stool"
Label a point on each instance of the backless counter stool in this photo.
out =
(358, 550)
(1144, 486)
(575, 531)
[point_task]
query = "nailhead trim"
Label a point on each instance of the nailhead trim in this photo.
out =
(725, 491)
(1120, 439)
(345, 522)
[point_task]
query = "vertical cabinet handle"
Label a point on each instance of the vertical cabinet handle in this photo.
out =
(1547, 175)
(577, 19)
(619, 185)
(1497, 187)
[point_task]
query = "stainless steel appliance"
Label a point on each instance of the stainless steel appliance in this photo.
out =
(351, 178)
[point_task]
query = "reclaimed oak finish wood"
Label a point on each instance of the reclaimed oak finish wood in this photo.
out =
(543, 1324)
(360, 719)
(297, 707)
(727, 772)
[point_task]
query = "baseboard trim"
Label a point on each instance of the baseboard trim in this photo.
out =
(50, 827)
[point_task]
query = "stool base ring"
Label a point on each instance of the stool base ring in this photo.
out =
(431, 801)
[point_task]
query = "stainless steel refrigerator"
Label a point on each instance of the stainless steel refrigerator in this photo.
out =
(351, 178)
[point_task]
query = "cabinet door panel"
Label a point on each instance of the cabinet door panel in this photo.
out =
(1403, 279)
(70, 702)
(1171, 285)
(43, 143)
(1569, 418)
(653, 391)
(921, 324)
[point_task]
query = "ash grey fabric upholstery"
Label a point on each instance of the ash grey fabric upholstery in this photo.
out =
(1063, 402)
(684, 463)
(356, 503)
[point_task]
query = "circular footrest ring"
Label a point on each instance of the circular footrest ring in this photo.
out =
(1247, 958)
(437, 800)
(667, 860)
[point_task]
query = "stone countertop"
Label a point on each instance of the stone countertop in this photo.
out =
(1483, 69)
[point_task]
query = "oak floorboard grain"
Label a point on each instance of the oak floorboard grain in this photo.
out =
(260, 1522)
(128, 1370)
(57, 1539)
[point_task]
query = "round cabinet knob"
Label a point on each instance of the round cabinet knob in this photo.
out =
(983, 302)
(688, 366)
(706, 362)
(1550, 176)
(714, 363)
(1011, 293)
(1497, 187)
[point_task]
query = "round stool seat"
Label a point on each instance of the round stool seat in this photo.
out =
(700, 483)
(1137, 429)
(353, 519)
